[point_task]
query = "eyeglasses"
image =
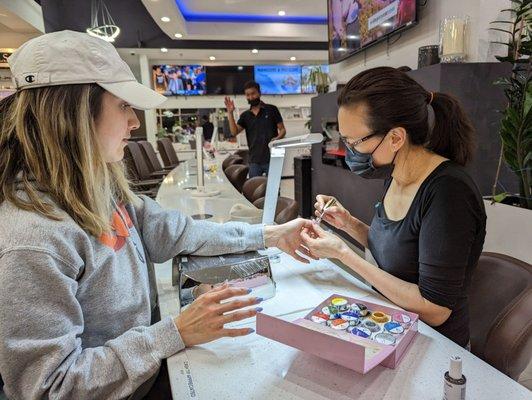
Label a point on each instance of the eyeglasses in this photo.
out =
(351, 146)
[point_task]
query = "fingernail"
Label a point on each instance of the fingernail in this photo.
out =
(251, 330)
(259, 300)
(249, 291)
(258, 309)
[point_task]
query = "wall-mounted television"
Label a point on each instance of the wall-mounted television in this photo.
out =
(228, 79)
(354, 25)
(175, 80)
(278, 79)
(306, 85)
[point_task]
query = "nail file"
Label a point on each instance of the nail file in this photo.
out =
(329, 204)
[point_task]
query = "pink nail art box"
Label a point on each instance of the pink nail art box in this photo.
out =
(340, 347)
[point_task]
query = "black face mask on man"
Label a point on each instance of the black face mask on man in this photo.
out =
(254, 102)
(362, 164)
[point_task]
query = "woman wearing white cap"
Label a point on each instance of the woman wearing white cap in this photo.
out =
(77, 293)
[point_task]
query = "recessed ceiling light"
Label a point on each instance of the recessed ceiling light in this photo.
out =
(282, 13)
(352, 36)
(255, 51)
(178, 35)
(387, 24)
(164, 49)
(240, 68)
(165, 19)
(292, 58)
(212, 58)
(341, 49)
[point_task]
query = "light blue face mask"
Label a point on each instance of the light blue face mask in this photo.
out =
(362, 163)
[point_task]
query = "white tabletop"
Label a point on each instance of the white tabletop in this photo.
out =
(254, 367)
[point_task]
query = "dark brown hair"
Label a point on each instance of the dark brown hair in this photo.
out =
(393, 100)
(252, 85)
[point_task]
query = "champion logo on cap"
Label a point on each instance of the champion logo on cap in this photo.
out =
(40, 78)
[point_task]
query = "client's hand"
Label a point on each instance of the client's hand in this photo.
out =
(323, 244)
(287, 237)
(203, 321)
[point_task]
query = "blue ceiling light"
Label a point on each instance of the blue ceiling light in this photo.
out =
(194, 16)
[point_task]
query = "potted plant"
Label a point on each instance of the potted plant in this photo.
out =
(319, 79)
(516, 124)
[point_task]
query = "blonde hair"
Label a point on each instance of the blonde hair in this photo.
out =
(48, 144)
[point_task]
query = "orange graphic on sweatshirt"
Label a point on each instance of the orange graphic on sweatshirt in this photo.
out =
(120, 231)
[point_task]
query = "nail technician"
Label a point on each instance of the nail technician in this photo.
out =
(428, 231)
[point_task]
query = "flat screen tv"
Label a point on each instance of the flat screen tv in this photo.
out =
(278, 79)
(176, 80)
(354, 25)
(306, 85)
(228, 79)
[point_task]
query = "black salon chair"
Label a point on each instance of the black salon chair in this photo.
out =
(231, 160)
(237, 175)
(500, 313)
(255, 188)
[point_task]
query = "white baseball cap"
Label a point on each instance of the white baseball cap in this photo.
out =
(69, 57)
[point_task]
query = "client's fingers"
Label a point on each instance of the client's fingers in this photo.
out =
(236, 304)
(239, 315)
(227, 293)
(236, 332)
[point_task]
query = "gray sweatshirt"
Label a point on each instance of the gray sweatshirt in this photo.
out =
(75, 310)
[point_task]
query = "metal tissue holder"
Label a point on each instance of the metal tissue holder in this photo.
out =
(250, 270)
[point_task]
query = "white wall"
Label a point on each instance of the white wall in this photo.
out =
(509, 231)
(405, 50)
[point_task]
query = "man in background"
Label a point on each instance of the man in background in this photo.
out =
(208, 128)
(263, 123)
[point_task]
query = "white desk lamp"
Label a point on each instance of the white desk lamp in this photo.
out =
(277, 151)
(200, 190)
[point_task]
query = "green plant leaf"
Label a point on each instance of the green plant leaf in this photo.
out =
(510, 45)
(502, 22)
(509, 141)
(528, 158)
(503, 30)
(527, 103)
(501, 81)
(499, 197)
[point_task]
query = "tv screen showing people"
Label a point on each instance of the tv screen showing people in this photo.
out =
(278, 79)
(356, 24)
(175, 80)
